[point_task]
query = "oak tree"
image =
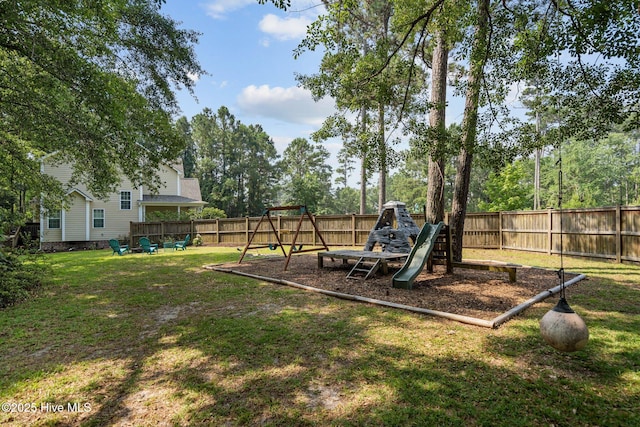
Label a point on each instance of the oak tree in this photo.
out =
(93, 82)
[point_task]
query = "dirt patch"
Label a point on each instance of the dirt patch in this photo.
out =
(474, 293)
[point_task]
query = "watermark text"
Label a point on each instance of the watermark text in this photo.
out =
(51, 407)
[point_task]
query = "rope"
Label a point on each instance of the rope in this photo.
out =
(561, 271)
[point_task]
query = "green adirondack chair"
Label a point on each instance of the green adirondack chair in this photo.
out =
(183, 244)
(117, 249)
(147, 246)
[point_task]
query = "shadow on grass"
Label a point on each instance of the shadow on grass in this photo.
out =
(315, 364)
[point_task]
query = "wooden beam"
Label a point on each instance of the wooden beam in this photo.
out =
(489, 267)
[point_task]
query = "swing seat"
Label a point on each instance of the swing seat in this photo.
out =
(273, 246)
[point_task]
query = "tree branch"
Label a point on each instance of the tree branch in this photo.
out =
(426, 17)
(578, 28)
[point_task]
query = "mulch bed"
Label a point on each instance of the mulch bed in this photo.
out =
(473, 293)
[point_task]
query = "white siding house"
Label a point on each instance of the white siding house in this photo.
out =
(91, 222)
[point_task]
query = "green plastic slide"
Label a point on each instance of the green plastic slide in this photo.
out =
(418, 257)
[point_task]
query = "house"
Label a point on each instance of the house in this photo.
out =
(91, 222)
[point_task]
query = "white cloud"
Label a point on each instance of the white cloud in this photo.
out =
(194, 77)
(218, 9)
(265, 42)
(281, 142)
(284, 28)
(291, 105)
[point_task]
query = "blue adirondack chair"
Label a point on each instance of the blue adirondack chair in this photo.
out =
(147, 246)
(183, 244)
(117, 249)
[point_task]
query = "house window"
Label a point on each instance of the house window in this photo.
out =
(98, 218)
(54, 219)
(125, 200)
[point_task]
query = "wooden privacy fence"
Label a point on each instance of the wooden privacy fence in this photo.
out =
(337, 230)
(611, 233)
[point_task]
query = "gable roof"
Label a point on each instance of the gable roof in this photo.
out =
(81, 193)
(190, 187)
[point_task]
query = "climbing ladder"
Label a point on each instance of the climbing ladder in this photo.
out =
(365, 268)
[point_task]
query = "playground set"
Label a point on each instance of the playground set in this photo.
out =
(561, 327)
(402, 241)
(395, 232)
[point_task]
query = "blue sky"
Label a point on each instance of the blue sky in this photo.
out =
(247, 50)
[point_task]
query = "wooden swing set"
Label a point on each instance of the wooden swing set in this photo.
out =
(267, 215)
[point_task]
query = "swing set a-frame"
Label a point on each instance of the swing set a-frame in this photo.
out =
(304, 213)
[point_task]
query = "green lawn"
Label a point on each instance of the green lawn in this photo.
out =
(148, 340)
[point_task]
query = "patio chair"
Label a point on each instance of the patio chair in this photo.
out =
(117, 249)
(183, 244)
(147, 246)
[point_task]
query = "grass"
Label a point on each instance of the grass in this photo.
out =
(148, 340)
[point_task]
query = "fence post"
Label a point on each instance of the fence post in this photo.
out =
(279, 227)
(500, 237)
(353, 230)
(550, 231)
(618, 234)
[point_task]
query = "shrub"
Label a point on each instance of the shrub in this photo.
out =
(213, 213)
(19, 277)
(156, 216)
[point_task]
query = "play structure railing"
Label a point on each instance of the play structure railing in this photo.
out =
(610, 233)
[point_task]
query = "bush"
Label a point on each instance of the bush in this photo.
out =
(213, 213)
(157, 216)
(185, 215)
(19, 277)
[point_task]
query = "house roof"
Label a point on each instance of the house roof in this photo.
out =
(81, 193)
(178, 166)
(190, 187)
(162, 200)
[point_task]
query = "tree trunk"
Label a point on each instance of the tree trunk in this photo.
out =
(536, 178)
(363, 166)
(363, 186)
(435, 175)
(435, 191)
(469, 128)
(382, 161)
